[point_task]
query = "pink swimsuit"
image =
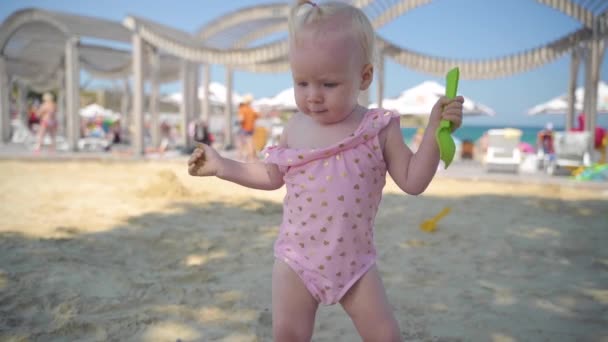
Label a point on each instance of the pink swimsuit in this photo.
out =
(332, 198)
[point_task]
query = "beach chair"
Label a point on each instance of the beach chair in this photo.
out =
(503, 152)
(571, 150)
(93, 144)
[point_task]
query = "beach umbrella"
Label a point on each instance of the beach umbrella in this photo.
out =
(602, 97)
(420, 99)
(559, 105)
(94, 110)
(284, 100)
(264, 102)
(217, 95)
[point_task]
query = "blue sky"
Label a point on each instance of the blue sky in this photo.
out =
(475, 29)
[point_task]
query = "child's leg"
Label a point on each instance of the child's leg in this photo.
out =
(53, 133)
(368, 307)
(41, 134)
(293, 307)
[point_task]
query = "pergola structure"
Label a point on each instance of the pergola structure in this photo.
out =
(44, 50)
(228, 39)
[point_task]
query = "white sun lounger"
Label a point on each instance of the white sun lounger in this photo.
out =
(571, 151)
(503, 150)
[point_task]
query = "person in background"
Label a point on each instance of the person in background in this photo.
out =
(199, 132)
(32, 117)
(247, 119)
(165, 136)
(544, 141)
(544, 145)
(48, 121)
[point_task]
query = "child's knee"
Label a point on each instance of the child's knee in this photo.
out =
(288, 331)
(388, 331)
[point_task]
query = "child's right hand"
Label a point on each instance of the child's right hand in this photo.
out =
(204, 161)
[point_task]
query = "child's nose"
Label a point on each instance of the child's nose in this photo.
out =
(315, 95)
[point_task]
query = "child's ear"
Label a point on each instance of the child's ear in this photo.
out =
(367, 76)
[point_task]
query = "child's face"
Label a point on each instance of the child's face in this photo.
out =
(328, 73)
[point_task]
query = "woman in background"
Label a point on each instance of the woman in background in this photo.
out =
(47, 113)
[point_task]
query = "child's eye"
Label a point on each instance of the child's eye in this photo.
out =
(330, 85)
(302, 84)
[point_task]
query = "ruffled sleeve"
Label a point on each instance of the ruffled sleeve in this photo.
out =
(276, 155)
(373, 122)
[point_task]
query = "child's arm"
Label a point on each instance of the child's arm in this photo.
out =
(413, 172)
(205, 161)
(255, 175)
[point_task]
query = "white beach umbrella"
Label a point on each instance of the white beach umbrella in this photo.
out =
(94, 110)
(175, 98)
(602, 97)
(284, 100)
(217, 95)
(559, 105)
(264, 102)
(420, 99)
(218, 92)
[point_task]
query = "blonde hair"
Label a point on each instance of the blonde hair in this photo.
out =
(305, 12)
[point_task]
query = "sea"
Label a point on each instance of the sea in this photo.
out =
(473, 133)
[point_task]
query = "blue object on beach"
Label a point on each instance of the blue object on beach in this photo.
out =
(596, 173)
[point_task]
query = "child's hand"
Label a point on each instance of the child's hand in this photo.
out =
(447, 109)
(204, 161)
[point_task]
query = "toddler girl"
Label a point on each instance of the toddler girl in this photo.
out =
(332, 158)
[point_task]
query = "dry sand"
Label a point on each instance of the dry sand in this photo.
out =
(140, 251)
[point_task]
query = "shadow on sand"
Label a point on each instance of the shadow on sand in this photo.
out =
(538, 270)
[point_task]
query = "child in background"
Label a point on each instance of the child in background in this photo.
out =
(333, 158)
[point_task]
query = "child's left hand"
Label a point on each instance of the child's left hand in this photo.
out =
(447, 109)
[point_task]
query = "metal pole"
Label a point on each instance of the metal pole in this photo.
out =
(574, 66)
(380, 81)
(228, 138)
(153, 105)
(72, 84)
(138, 95)
(205, 103)
(5, 115)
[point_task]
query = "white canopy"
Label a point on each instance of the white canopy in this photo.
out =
(420, 99)
(559, 105)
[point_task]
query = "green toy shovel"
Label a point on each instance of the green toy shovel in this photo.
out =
(447, 148)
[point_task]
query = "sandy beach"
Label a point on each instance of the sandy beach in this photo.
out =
(140, 251)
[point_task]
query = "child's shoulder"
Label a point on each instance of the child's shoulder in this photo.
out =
(385, 120)
(381, 116)
(292, 123)
(297, 117)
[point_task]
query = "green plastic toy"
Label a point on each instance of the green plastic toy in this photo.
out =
(447, 148)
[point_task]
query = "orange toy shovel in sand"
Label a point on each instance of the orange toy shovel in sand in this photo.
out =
(430, 226)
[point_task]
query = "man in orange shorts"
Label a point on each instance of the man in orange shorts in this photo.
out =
(247, 118)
